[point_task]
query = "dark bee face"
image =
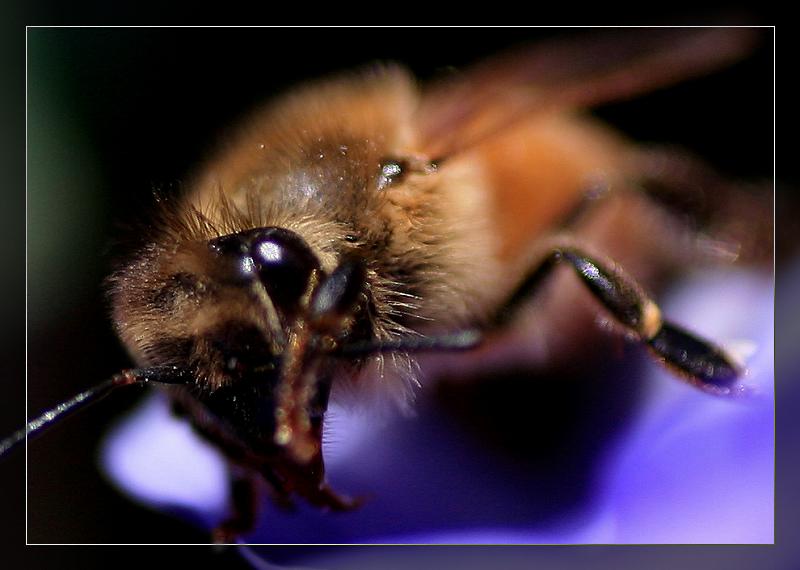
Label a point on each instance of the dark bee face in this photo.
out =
(221, 307)
(225, 309)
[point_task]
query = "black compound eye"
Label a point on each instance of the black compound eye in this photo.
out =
(278, 257)
(284, 263)
(234, 249)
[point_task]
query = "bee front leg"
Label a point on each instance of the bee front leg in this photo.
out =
(696, 359)
(244, 467)
(244, 503)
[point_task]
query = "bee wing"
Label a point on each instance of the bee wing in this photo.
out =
(559, 74)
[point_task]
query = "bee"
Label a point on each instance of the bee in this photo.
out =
(359, 222)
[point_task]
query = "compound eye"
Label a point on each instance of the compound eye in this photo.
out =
(278, 257)
(234, 249)
(284, 263)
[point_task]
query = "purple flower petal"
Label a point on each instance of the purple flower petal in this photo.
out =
(158, 460)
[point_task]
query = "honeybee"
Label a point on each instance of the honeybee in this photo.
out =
(358, 222)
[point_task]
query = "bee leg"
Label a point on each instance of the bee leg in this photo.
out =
(694, 358)
(452, 341)
(325, 497)
(308, 481)
(211, 429)
(244, 496)
(697, 360)
(338, 502)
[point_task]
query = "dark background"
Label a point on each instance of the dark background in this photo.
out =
(117, 112)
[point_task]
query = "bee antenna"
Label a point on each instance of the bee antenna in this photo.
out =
(141, 376)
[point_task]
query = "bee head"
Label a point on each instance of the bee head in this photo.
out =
(222, 306)
(249, 315)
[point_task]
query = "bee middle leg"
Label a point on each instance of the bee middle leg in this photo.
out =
(697, 360)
